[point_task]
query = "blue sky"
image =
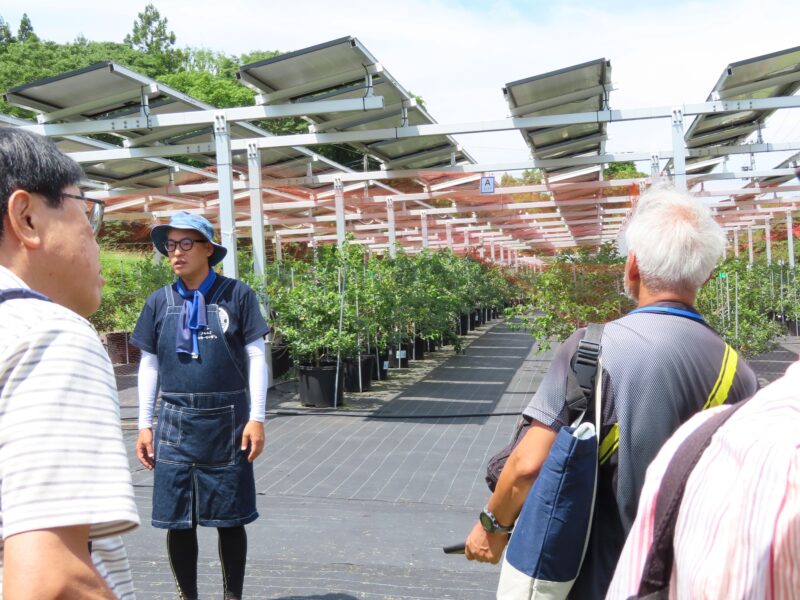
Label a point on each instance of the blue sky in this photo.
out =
(458, 54)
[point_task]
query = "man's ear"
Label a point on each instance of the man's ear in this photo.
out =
(632, 267)
(24, 218)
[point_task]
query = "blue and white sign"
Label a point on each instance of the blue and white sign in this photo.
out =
(487, 185)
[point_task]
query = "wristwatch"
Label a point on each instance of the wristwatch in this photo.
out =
(490, 523)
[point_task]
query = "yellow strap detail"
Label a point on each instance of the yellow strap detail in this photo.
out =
(718, 395)
(609, 444)
(727, 372)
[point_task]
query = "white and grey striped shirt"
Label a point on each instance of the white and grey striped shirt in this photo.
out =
(62, 457)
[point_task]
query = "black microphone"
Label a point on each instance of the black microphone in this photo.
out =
(454, 549)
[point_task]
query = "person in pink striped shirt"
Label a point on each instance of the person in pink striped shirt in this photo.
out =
(737, 533)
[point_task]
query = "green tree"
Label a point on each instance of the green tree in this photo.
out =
(151, 36)
(25, 32)
(622, 170)
(6, 37)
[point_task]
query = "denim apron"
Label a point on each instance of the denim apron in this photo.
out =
(200, 470)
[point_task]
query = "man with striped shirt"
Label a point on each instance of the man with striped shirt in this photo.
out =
(737, 533)
(64, 476)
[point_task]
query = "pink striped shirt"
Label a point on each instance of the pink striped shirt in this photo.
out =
(738, 529)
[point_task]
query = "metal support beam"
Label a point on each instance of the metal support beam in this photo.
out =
(491, 246)
(603, 116)
(222, 138)
(790, 238)
(678, 148)
(340, 222)
(424, 222)
(278, 250)
(256, 210)
(750, 245)
(200, 117)
(736, 243)
(449, 233)
(392, 233)
(768, 241)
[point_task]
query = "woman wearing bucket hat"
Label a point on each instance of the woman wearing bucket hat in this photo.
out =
(202, 342)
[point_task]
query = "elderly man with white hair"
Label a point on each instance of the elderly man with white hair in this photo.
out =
(661, 364)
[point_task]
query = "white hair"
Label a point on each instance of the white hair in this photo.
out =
(675, 240)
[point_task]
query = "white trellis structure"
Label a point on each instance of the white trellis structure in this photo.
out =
(417, 187)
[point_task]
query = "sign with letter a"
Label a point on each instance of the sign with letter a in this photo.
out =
(487, 185)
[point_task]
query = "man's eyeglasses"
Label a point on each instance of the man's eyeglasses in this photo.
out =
(185, 244)
(94, 210)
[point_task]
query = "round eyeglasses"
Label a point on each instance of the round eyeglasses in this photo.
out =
(185, 244)
(94, 210)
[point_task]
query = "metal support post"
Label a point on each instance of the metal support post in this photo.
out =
(502, 255)
(678, 149)
(736, 243)
(449, 233)
(256, 208)
(491, 247)
(466, 239)
(392, 232)
(750, 245)
(767, 232)
(227, 221)
(338, 194)
(278, 249)
(655, 165)
(423, 216)
(790, 239)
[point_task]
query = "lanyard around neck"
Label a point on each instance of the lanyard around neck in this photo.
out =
(668, 310)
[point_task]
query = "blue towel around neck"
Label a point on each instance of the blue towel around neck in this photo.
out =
(193, 315)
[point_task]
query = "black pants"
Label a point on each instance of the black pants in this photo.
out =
(232, 546)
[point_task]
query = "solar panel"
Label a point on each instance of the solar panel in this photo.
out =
(580, 88)
(343, 69)
(768, 76)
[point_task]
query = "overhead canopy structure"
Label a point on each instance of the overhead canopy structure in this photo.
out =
(344, 68)
(427, 191)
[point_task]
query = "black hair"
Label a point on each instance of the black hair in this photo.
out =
(33, 163)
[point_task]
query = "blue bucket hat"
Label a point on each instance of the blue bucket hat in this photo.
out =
(185, 220)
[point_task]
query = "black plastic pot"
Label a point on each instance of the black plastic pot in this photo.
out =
(398, 358)
(351, 383)
(380, 369)
(474, 320)
(317, 385)
(431, 346)
(419, 349)
(464, 324)
(281, 361)
(482, 316)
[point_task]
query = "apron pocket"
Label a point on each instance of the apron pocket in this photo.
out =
(169, 425)
(205, 436)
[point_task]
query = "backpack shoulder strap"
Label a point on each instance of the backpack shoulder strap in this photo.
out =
(19, 293)
(658, 566)
(582, 373)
